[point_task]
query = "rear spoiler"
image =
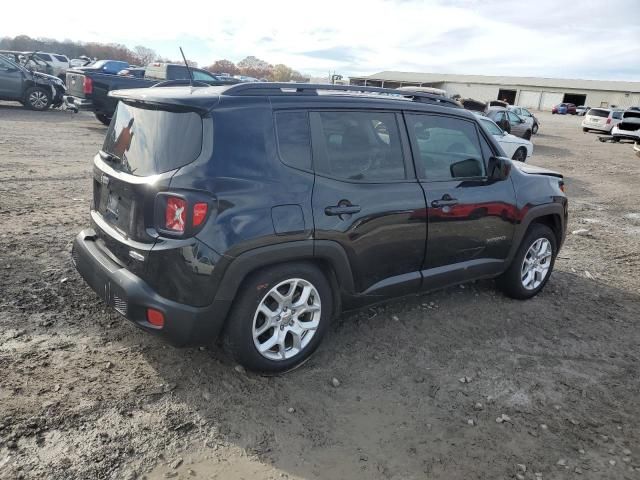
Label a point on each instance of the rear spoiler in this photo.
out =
(533, 170)
(181, 99)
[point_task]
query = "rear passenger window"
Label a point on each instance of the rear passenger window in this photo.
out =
(294, 139)
(445, 148)
(360, 146)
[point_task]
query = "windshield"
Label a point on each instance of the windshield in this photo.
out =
(148, 141)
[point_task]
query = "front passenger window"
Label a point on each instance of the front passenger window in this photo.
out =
(447, 148)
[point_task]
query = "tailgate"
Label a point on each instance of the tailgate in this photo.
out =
(75, 82)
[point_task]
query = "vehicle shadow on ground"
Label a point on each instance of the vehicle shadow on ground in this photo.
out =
(400, 408)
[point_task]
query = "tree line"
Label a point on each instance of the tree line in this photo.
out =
(141, 55)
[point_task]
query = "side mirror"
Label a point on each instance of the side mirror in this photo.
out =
(497, 169)
(466, 168)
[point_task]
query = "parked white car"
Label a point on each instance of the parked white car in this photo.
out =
(58, 63)
(515, 147)
(528, 117)
(629, 127)
(601, 119)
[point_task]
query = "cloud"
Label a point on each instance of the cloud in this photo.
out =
(589, 39)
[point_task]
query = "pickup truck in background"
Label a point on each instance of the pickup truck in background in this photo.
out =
(88, 87)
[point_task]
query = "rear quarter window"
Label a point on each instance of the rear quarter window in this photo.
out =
(294, 139)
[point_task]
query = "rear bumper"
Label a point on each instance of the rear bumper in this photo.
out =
(80, 103)
(130, 296)
(597, 126)
(626, 134)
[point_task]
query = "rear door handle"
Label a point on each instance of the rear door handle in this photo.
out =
(342, 210)
(449, 202)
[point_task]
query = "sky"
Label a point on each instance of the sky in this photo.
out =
(589, 39)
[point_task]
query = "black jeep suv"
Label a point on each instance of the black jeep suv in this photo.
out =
(260, 211)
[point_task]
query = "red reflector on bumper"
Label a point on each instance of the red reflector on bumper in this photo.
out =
(155, 318)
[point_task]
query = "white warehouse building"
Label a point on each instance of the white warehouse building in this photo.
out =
(530, 92)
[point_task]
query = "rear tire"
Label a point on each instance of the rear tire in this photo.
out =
(37, 98)
(529, 272)
(273, 327)
(102, 118)
(520, 155)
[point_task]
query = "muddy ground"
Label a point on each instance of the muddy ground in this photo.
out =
(85, 395)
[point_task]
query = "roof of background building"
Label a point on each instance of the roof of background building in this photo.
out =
(415, 77)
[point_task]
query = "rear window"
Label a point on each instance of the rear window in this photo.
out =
(598, 112)
(147, 142)
(492, 127)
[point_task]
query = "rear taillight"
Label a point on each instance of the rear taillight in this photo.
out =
(199, 213)
(155, 317)
(175, 214)
(608, 121)
(181, 214)
(87, 85)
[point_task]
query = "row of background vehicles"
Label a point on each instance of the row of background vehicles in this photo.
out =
(88, 86)
(619, 123)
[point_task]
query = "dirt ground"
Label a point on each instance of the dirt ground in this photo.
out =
(85, 395)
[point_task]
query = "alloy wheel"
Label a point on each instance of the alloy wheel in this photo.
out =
(286, 319)
(38, 100)
(536, 264)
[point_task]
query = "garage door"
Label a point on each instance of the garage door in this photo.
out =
(550, 99)
(529, 99)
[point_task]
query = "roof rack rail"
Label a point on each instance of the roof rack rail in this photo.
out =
(269, 88)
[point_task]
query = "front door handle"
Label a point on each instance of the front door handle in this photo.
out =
(444, 202)
(342, 209)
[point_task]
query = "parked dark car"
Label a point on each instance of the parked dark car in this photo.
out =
(510, 122)
(34, 90)
(260, 211)
(89, 86)
(564, 108)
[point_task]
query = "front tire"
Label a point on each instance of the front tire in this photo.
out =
(534, 129)
(527, 135)
(585, 129)
(279, 317)
(520, 155)
(532, 265)
(37, 98)
(103, 119)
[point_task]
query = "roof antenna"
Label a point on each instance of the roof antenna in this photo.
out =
(188, 68)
